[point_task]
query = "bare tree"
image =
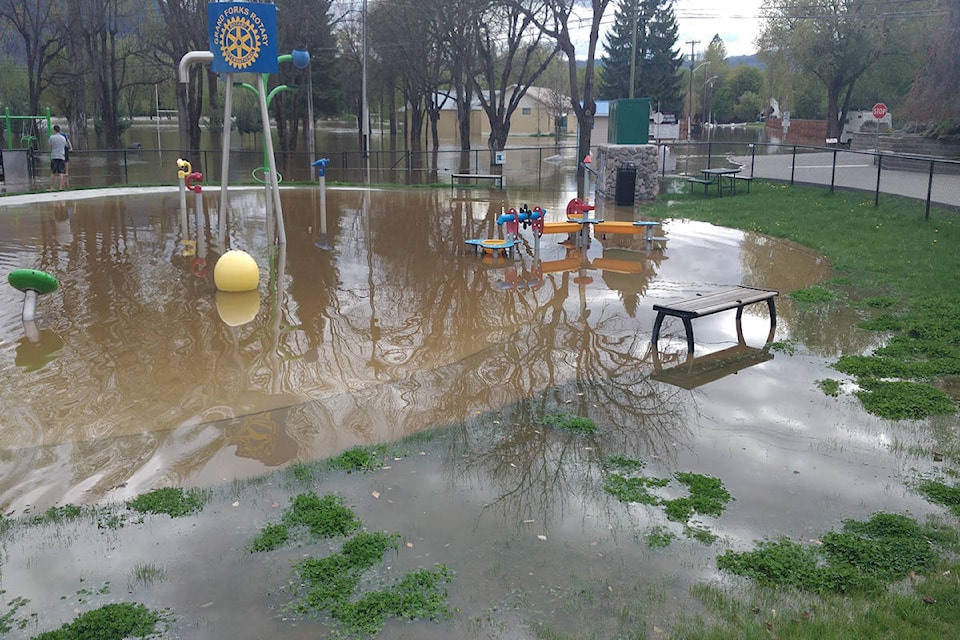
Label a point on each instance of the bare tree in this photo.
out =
(558, 19)
(457, 27)
(39, 40)
(185, 23)
(402, 32)
(510, 59)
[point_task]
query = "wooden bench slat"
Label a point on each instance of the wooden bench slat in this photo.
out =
(724, 300)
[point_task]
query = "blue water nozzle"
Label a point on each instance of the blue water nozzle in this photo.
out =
(321, 165)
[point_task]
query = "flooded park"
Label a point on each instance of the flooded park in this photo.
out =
(377, 325)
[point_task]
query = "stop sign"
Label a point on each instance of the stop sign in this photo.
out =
(879, 110)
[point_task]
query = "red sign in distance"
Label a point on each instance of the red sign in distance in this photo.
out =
(879, 110)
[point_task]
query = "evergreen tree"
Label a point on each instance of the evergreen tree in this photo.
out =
(660, 79)
(657, 58)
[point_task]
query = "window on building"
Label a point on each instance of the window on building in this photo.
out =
(526, 111)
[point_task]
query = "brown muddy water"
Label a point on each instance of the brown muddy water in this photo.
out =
(375, 323)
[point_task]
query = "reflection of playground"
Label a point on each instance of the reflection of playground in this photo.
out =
(698, 371)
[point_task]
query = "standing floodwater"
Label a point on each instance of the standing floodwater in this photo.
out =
(387, 325)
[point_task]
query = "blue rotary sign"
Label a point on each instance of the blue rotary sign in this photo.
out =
(243, 37)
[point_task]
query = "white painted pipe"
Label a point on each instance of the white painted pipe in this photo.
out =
(191, 58)
(29, 305)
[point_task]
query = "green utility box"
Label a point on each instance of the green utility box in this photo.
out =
(629, 121)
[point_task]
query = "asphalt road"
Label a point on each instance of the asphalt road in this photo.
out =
(851, 170)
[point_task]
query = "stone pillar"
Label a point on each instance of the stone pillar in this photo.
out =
(643, 156)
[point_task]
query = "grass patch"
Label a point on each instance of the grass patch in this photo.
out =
(109, 622)
(829, 386)
(623, 463)
(659, 538)
(148, 574)
(903, 400)
(325, 517)
(705, 496)
(9, 620)
(173, 501)
(330, 585)
(813, 295)
(357, 459)
(927, 609)
(864, 557)
(941, 493)
(568, 422)
(58, 515)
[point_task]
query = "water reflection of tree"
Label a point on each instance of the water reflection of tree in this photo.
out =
(534, 471)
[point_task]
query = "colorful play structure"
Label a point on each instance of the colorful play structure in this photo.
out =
(577, 227)
(243, 39)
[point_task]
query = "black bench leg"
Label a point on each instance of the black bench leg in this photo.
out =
(773, 312)
(688, 326)
(656, 329)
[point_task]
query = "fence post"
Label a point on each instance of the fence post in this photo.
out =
(929, 190)
(793, 165)
(833, 170)
(876, 194)
(753, 157)
(126, 172)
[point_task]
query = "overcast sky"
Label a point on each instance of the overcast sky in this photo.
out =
(737, 23)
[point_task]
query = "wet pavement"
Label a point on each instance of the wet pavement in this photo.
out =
(374, 323)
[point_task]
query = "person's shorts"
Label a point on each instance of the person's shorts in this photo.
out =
(57, 165)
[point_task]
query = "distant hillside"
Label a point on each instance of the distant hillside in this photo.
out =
(750, 61)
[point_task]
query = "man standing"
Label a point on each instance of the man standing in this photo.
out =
(58, 157)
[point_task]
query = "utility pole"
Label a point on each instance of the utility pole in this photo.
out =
(633, 50)
(693, 58)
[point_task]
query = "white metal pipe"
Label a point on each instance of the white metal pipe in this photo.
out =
(191, 58)
(225, 160)
(29, 305)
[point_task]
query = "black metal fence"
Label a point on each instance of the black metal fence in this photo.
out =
(930, 179)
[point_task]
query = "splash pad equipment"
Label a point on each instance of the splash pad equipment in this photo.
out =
(32, 283)
(236, 271)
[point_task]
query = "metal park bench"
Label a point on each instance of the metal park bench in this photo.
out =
(476, 176)
(707, 304)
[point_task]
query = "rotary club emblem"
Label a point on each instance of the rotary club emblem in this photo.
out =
(239, 42)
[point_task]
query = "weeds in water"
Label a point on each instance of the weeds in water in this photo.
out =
(928, 608)
(659, 538)
(325, 517)
(788, 347)
(813, 295)
(9, 620)
(864, 557)
(941, 493)
(58, 515)
(109, 622)
(329, 585)
(301, 472)
(357, 459)
(273, 536)
(568, 422)
(173, 501)
(148, 574)
(705, 496)
(903, 400)
(624, 463)
(829, 386)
